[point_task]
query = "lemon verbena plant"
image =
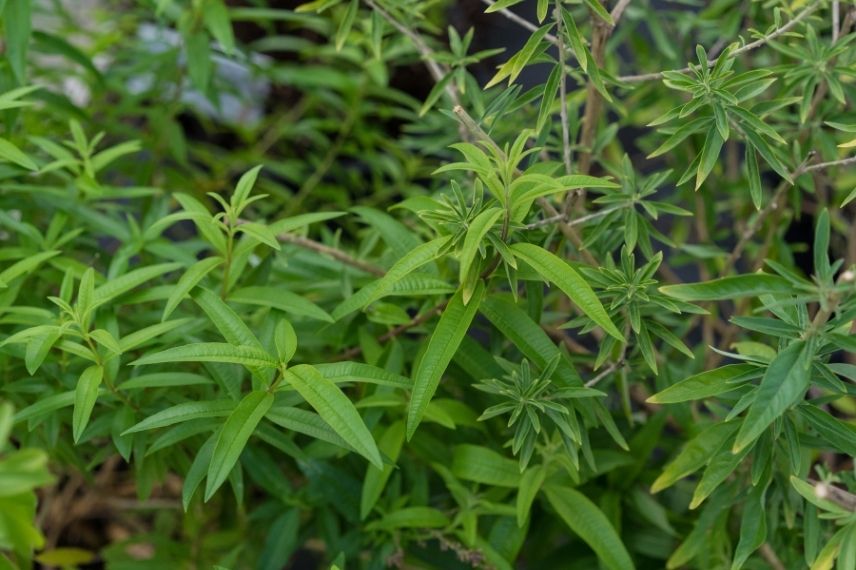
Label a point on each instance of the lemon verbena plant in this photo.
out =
(427, 284)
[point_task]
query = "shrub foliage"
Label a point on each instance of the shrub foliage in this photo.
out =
(344, 283)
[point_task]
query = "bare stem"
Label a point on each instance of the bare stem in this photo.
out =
(336, 254)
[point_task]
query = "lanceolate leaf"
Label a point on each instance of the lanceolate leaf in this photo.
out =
(184, 413)
(84, 398)
(444, 342)
(375, 480)
(590, 524)
(695, 454)
(234, 436)
(784, 382)
(335, 408)
(194, 274)
(558, 272)
(704, 384)
(734, 287)
(211, 352)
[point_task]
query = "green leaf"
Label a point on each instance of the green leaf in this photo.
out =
(784, 382)
(709, 155)
(211, 352)
(12, 153)
(346, 371)
(575, 38)
(285, 340)
(694, 455)
(590, 524)
(198, 59)
(233, 437)
(734, 287)
(418, 257)
(753, 527)
(754, 177)
(164, 380)
(512, 68)
(410, 517)
(444, 342)
(227, 321)
(335, 408)
(16, 32)
(120, 285)
(279, 298)
(484, 465)
(822, 268)
(143, 336)
(840, 435)
(556, 271)
(26, 265)
(260, 232)
(85, 396)
(184, 413)
(346, 24)
(216, 18)
(530, 484)
(703, 385)
(189, 279)
(600, 11)
(375, 479)
(473, 240)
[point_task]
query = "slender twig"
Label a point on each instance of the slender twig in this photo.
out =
(828, 492)
(563, 94)
(563, 218)
(336, 254)
(618, 11)
(835, 15)
(604, 373)
(831, 164)
(748, 47)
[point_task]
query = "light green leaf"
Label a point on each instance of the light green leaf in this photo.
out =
(216, 19)
(227, 321)
(120, 285)
(479, 227)
(211, 352)
(279, 298)
(335, 408)
(695, 454)
(601, 12)
(444, 342)
(376, 289)
(590, 524)
(184, 413)
(346, 24)
(512, 68)
(556, 271)
(85, 396)
(189, 279)
(703, 385)
(233, 437)
(261, 233)
(530, 484)
(410, 517)
(754, 177)
(484, 465)
(784, 382)
(12, 153)
(735, 287)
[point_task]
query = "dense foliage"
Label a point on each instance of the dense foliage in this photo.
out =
(368, 284)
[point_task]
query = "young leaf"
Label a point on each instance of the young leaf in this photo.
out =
(216, 18)
(784, 382)
(184, 413)
(558, 272)
(12, 153)
(234, 436)
(694, 455)
(335, 408)
(444, 342)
